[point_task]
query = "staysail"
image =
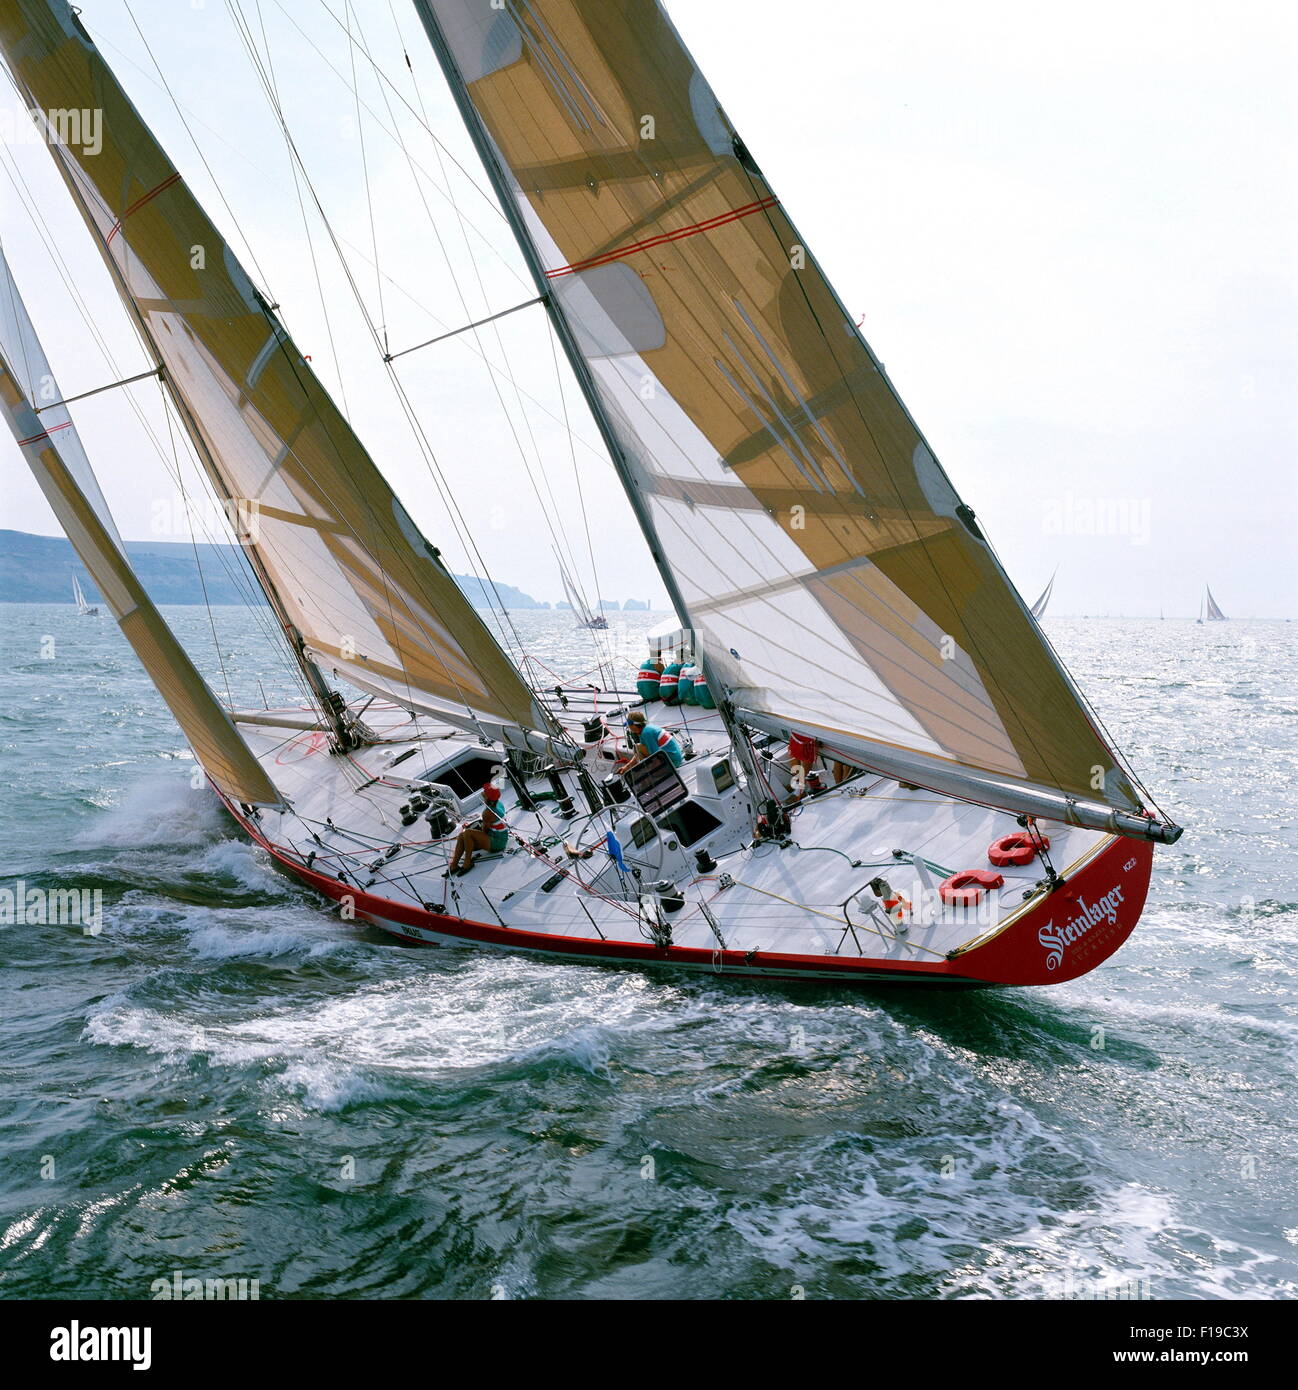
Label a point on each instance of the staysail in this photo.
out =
(1039, 607)
(352, 577)
(49, 442)
(836, 584)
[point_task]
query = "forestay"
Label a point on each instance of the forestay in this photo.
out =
(835, 581)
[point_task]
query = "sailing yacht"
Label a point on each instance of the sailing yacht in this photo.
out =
(1210, 612)
(1039, 607)
(84, 609)
(899, 781)
(586, 618)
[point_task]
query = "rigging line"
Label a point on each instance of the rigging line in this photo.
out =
(197, 150)
(423, 121)
(198, 564)
(464, 222)
(508, 415)
(466, 533)
(99, 390)
(421, 116)
(273, 98)
(603, 654)
(237, 575)
(458, 520)
(455, 332)
(430, 461)
(365, 172)
(293, 366)
(306, 226)
(126, 58)
(391, 281)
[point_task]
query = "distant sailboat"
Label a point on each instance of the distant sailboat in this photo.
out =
(1208, 610)
(1039, 607)
(585, 618)
(84, 609)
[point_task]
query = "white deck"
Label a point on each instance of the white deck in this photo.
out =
(785, 899)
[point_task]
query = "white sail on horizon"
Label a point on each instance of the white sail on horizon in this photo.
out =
(1039, 607)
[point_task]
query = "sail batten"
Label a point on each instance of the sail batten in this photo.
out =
(343, 563)
(52, 448)
(830, 573)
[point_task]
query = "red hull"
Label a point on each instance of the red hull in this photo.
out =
(1067, 934)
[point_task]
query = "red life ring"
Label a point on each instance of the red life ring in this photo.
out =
(1017, 849)
(968, 886)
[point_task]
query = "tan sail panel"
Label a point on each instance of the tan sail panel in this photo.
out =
(363, 589)
(53, 450)
(827, 566)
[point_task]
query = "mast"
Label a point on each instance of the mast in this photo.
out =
(581, 369)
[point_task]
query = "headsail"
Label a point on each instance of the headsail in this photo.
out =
(52, 448)
(1214, 614)
(1039, 607)
(834, 580)
(339, 555)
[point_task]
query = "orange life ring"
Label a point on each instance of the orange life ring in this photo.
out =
(1018, 849)
(968, 886)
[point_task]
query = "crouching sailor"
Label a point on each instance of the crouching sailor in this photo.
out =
(648, 739)
(490, 836)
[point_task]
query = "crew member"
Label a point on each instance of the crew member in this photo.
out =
(489, 836)
(647, 739)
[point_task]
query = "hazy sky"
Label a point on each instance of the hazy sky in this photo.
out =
(1072, 233)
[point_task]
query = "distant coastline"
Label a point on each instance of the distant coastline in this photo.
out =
(39, 569)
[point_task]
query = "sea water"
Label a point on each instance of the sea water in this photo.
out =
(223, 1085)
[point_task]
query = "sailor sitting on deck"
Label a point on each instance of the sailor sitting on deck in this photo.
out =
(490, 836)
(647, 739)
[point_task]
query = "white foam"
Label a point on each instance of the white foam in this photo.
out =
(330, 1086)
(249, 866)
(161, 808)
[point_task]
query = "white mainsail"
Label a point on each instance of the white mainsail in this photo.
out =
(585, 617)
(48, 440)
(836, 584)
(1039, 607)
(1212, 612)
(78, 596)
